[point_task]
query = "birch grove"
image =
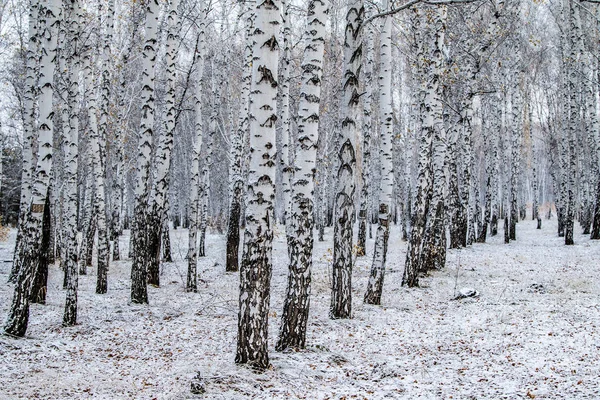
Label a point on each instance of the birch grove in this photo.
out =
(140, 138)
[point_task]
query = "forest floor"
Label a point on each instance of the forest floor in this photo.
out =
(534, 331)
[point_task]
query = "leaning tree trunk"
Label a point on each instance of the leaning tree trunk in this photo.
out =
(29, 132)
(237, 147)
(341, 291)
(255, 271)
(386, 186)
(294, 318)
(18, 316)
(141, 253)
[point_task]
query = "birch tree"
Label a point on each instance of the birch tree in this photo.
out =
(139, 289)
(573, 121)
(237, 145)
(255, 271)
(294, 318)
(192, 255)
(375, 284)
(430, 60)
(71, 138)
(18, 316)
(29, 130)
(365, 205)
(341, 290)
(165, 148)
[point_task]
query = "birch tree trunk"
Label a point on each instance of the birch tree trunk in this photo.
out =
(430, 59)
(163, 156)
(18, 316)
(71, 138)
(365, 206)
(375, 284)
(573, 76)
(216, 82)
(98, 134)
(516, 132)
(141, 256)
(237, 145)
(286, 167)
(29, 131)
(294, 318)
(255, 271)
(341, 291)
(433, 254)
(192, 255)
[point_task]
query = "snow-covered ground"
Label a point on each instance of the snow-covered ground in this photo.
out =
(532, 333)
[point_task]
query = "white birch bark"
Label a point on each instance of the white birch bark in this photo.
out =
(516, 133)
(165, 148)
(71, 138)
(192, 255)
(285, 160)
(294, 318)
(237, 146)
(29, 130)
(255, 271)
(430, 59)
(139, 289)
(16, 323)
(341, 291)
(375, 284)
(98, 134)
(365, 203)
(573, 123)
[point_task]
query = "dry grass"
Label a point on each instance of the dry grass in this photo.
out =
(3, 232)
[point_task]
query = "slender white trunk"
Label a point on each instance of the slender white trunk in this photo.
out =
(236, 181)
(365, 204)
(285, 160)
(386, 186)
(192, 255)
